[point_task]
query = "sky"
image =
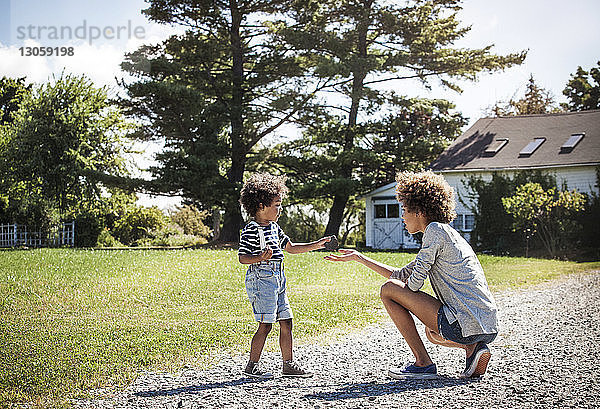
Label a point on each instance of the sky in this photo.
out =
(559, 37)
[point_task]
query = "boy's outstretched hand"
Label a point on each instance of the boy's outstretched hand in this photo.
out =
(328, 242)
(332, 244)
(346, 255)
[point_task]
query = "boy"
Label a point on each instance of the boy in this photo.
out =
(261, 246)
(464, 313)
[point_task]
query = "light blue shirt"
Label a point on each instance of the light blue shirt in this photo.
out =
(456, 277)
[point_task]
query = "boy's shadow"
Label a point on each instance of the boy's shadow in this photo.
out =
(196, 388)
(340, 392)
(364, 390)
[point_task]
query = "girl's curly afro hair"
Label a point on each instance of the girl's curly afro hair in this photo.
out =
(262, 188)
(428, 194)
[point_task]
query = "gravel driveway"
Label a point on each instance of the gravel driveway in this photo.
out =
(544, 357)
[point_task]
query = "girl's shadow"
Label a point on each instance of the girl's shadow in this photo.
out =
(363, 390)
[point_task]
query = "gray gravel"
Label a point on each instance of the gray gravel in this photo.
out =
(544, 357)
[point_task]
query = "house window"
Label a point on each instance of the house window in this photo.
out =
(572, 142)
(393, 211)
(387, 211)
(457, 223)
(496, 146)
(380, 212)
(532, 146)
(469, 222)
(464, 222)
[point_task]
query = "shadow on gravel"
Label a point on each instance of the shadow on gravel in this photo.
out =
(363, 390)
(195, 388)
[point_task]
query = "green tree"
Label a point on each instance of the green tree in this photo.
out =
(302, 223)
(63, 134)
(12, 93)
(583, 90)
(212, 94)
(364, 44)
(493, 224)
(548, 213)
(536, 100)
(408, 140)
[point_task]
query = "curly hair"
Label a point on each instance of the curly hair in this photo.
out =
(426, 193)
(262, 188)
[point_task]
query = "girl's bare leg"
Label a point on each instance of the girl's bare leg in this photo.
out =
(400, 302)
(436, 338)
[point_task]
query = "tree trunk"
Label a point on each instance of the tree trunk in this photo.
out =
(216, 222)
(232, 221)
(336, 213)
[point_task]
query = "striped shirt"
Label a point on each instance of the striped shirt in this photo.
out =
(274, 236)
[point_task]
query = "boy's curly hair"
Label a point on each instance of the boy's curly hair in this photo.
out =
(428, 194)
(261, 188)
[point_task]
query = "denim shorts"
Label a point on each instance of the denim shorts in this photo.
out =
(453, 332)
(265, 285)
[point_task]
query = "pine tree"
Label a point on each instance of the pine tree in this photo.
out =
(366, 43)
(583, 90)
(213, 93)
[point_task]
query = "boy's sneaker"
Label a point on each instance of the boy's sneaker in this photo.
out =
(410, 371)
(477, 363)
(252, 371)
(290, 368)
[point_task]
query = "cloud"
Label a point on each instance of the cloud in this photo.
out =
(12, 64)
(99, 61)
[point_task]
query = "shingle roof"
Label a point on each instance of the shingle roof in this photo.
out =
(468, 151)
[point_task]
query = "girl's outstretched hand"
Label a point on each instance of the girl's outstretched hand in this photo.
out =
(344, 255)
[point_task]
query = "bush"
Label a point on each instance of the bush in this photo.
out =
(139, 225)
(549, 214)
(493, 230)
(105, 239)
(172, 235)
(191, 220)
(590, 220)
(87, 230)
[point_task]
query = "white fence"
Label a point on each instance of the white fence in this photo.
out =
(15, 235)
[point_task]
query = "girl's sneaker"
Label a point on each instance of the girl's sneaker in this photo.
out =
(252, 371)
(410, 371)
(477, 363)
(290, 368)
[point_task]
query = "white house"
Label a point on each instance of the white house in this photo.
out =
(566, 145)
(385, 229)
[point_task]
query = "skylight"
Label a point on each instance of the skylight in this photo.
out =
(496, 146)
(532, 146)
(573, 141)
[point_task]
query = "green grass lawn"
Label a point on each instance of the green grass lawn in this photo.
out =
(75, 320)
